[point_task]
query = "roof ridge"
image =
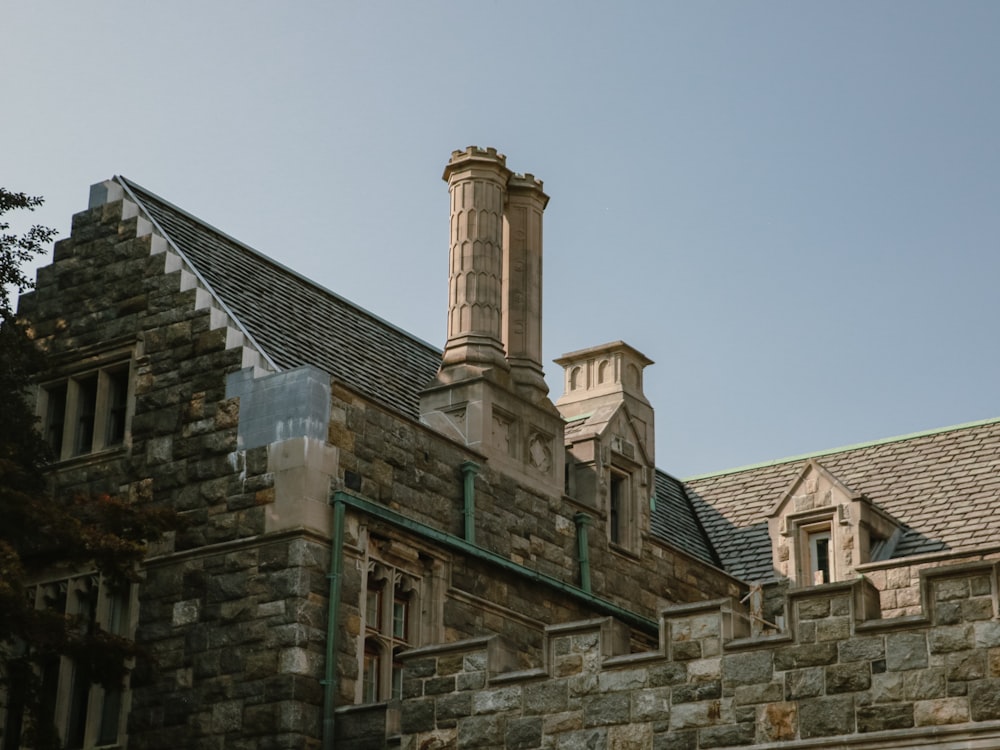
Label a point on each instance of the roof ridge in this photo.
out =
(281, 266)
(844, 449)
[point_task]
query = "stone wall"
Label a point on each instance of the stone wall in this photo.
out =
(238, 636)
(898, 582)
(838, 674)
(408, 467)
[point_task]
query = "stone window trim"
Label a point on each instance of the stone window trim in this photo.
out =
(86, 408)
(390, 625)
(85, 714)
(805, 532)
(623, 513)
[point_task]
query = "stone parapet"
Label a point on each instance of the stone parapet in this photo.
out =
(838, 673)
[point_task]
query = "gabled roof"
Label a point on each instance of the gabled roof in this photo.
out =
(295, 320)
(943, 485)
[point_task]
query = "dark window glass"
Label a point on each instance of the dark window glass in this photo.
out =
(86, 411)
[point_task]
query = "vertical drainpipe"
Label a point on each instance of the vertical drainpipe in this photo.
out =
(583, 549)
(469, 471)
(334, 576)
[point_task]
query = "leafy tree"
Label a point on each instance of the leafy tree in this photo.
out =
(39, 531)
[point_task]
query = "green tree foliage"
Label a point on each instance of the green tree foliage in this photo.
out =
(40, 532)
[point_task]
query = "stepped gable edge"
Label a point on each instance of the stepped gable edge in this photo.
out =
(294, 319)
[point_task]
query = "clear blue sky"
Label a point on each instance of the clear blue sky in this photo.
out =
(792, 207)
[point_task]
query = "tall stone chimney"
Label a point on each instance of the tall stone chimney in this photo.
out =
(522, 284)
(477, 181)
(490, 393)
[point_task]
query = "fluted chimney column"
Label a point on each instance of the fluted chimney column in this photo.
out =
(477, 180)
(522, 284)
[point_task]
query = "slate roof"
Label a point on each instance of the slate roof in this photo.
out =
(673, 519)
(943, 485)
(295, 320)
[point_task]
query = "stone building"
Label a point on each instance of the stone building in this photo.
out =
(394, 546)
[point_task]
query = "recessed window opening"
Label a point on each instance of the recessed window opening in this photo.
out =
(820, 567)
(618, 507)
(389, 601)
(86, 413)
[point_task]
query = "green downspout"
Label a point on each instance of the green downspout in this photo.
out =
(334, 576)
(583, 549)
(469, 471)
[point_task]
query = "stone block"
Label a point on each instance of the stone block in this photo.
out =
(686, 740)
(693, 693)
(826, 717)
(803, 683)
(603, 710)
(833, 629)
(813, 608)
(882, 718)
(694, 715)
(496, 700)
(583, 739)
(966, 666)
(705, 670)
(777, 722)
(848, 678)
(625, 679)
(729, 735)
(957, 588)
(941, 711)
(566, 721)
(477, 732)
(417, 715)
(523, 733)
(805, 655)
(651, 704)
(987, 634)
(984, 700)
(670, 673)
(947, 639)
(770, 692)
(924, 684)
(547, 697)
(868, 648)
(748, 668)
(453, 706)
(905, 651)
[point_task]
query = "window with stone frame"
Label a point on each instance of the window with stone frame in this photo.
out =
(87, 411)
(85, 714)
(390, 626)
(622, 504)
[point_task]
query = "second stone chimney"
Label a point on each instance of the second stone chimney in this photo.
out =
(490, 392)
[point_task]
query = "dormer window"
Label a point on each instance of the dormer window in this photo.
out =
(821, 529)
